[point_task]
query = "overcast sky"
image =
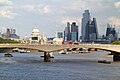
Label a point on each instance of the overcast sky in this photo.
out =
(51, 15)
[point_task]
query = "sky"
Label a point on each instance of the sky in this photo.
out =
(51, 16)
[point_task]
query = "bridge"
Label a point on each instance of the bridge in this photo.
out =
(114, 49)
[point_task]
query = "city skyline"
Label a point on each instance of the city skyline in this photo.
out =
(52, 16)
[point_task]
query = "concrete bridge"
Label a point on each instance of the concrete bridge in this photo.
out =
(114, 49)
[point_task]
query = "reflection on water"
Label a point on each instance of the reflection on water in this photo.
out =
(7, 60)
(30, 66)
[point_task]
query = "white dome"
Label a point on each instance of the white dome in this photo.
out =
(35, 30)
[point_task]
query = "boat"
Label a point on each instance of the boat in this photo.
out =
(16, 50)
(24, 51)
(8, 55)
(20, 50)
(51, 55)
(63, 52)
(104, 61)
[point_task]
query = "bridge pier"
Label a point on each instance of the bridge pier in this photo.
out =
(116, 56)
(47, 57)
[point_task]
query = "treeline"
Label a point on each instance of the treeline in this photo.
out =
(5, 41)
(116, 42)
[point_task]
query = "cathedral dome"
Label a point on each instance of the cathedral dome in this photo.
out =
(35, 30)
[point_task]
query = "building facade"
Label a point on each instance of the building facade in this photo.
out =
(85, 20)
(59, 34)
(11, 34)
(111, 33)
(74, 32)
(89, 31)
(67, 36)
(71, 32)
(37, 38)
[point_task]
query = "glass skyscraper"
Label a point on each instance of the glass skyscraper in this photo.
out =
(89, 30)
(111, 33)
(74, 32)
(85, 20)
(67, 32)
(71, 32)
(60, 35)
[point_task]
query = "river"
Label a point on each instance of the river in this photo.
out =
(83, 66)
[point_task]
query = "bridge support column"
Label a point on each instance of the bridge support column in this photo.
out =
(46, 57)
(116, 56)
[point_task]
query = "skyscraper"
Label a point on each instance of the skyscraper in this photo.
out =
(85, 20)
(111, 33)
(60, 35)
(108, 31)
(93, 31)
(11, 33)
(74, 32)
(89, 28)
(8, 31)
(67, 32)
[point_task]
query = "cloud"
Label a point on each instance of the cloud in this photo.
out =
(6, 7)
(57, 12)
(64, 20)
(37, 8)
(5, 2)
(6, 13)
(46, 9)
(117, 4)
(29, 7)
(114, 21)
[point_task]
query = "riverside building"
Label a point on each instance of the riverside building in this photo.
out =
(37, 38)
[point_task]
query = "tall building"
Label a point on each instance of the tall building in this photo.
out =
(8, 31)
(93, 31)
(111, 33)
(11, 34)
(108, 31)
(60, 35)
(67, 32)
(85, 20)
(89, 30)
(13, 31)
(74, 32)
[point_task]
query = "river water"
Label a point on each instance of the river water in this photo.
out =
(29, 66)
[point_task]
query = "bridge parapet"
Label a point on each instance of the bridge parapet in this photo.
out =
(115, 49)
(52, 48)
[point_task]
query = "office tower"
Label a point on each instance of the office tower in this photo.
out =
(108, 31)
(85, 20)
(89, 30)
(8, 31)
(67, 32)
(60, 35)
(74, 32)
(86, 37)
(13, 31)
(111, 33)
(93, 31)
